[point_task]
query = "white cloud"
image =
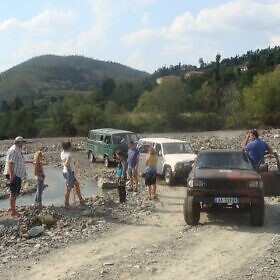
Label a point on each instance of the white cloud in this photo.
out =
(211, 29)
(46, 21)
(8, 24)
(234, 16)
(143, 36)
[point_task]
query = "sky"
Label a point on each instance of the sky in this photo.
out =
(143, 34)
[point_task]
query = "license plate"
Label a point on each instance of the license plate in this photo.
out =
(228, 200)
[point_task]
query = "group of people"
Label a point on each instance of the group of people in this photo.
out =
(128, 165)
(15, 171)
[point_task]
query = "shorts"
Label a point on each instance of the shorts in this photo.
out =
(150, 178)
(132, 172)
(70, 179)
(15, 186)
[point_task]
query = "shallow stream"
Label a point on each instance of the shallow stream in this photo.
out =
(54, 193)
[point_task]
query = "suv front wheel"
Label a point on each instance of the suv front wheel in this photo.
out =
(191, 211)
(168, 176)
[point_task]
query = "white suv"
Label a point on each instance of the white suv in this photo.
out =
(175, 157)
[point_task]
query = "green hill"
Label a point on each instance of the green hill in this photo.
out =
(57, 75)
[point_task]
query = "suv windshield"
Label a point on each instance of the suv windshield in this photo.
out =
(220, 160)
(124, 138)
(176, 148)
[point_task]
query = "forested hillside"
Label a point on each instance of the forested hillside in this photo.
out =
(51, 75)
(227, 93)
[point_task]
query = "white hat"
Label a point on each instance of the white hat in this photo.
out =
(19, 139)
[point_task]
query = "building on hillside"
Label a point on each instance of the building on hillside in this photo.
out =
(163, 79)
(243, 67)
(193, 73)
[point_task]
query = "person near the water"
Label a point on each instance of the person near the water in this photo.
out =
(69, 174)
(39, 173)
(121, 175)
(15, 171)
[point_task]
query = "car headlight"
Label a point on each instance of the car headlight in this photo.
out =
(179, 166)
(254, 184)
(196, 183)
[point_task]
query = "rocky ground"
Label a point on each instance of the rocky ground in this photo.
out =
(143, 240)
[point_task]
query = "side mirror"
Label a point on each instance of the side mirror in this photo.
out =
(160, 153)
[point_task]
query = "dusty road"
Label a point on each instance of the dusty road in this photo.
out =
(161, 247)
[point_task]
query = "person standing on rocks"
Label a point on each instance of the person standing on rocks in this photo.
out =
(151, 173)
(69, 175)
(15, 171)
(121, 174)
(132, 161)
(39, 161)
(255, 147)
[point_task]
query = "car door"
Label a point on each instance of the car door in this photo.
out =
(107, 142)
(270, 173)
(100, 145)
(90, 141)
(160, 160)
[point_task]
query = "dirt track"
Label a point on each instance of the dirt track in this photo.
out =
(162, 247)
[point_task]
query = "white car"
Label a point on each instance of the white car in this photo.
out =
(175, 157)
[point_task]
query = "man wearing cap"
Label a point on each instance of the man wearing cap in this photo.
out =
(15, 171)
(256, 148)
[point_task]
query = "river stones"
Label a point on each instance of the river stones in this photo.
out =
(36, 231)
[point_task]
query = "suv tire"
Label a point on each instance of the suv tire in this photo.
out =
(91, 157)
(168, 176)
(257, 213)
(191, 211)
(107, 162)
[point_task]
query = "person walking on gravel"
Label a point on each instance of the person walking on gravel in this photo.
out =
(256, 148)
(69, 174)
(121, 174)
(132, 161)
(15, 171)
(39, 161)
(151, 173)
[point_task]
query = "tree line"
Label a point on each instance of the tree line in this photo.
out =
(239, 92)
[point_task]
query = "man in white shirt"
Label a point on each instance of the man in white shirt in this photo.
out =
(15, 171)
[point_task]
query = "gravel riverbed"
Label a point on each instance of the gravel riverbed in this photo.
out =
(40, 234)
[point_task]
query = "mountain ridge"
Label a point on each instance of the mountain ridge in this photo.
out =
(55, 75)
